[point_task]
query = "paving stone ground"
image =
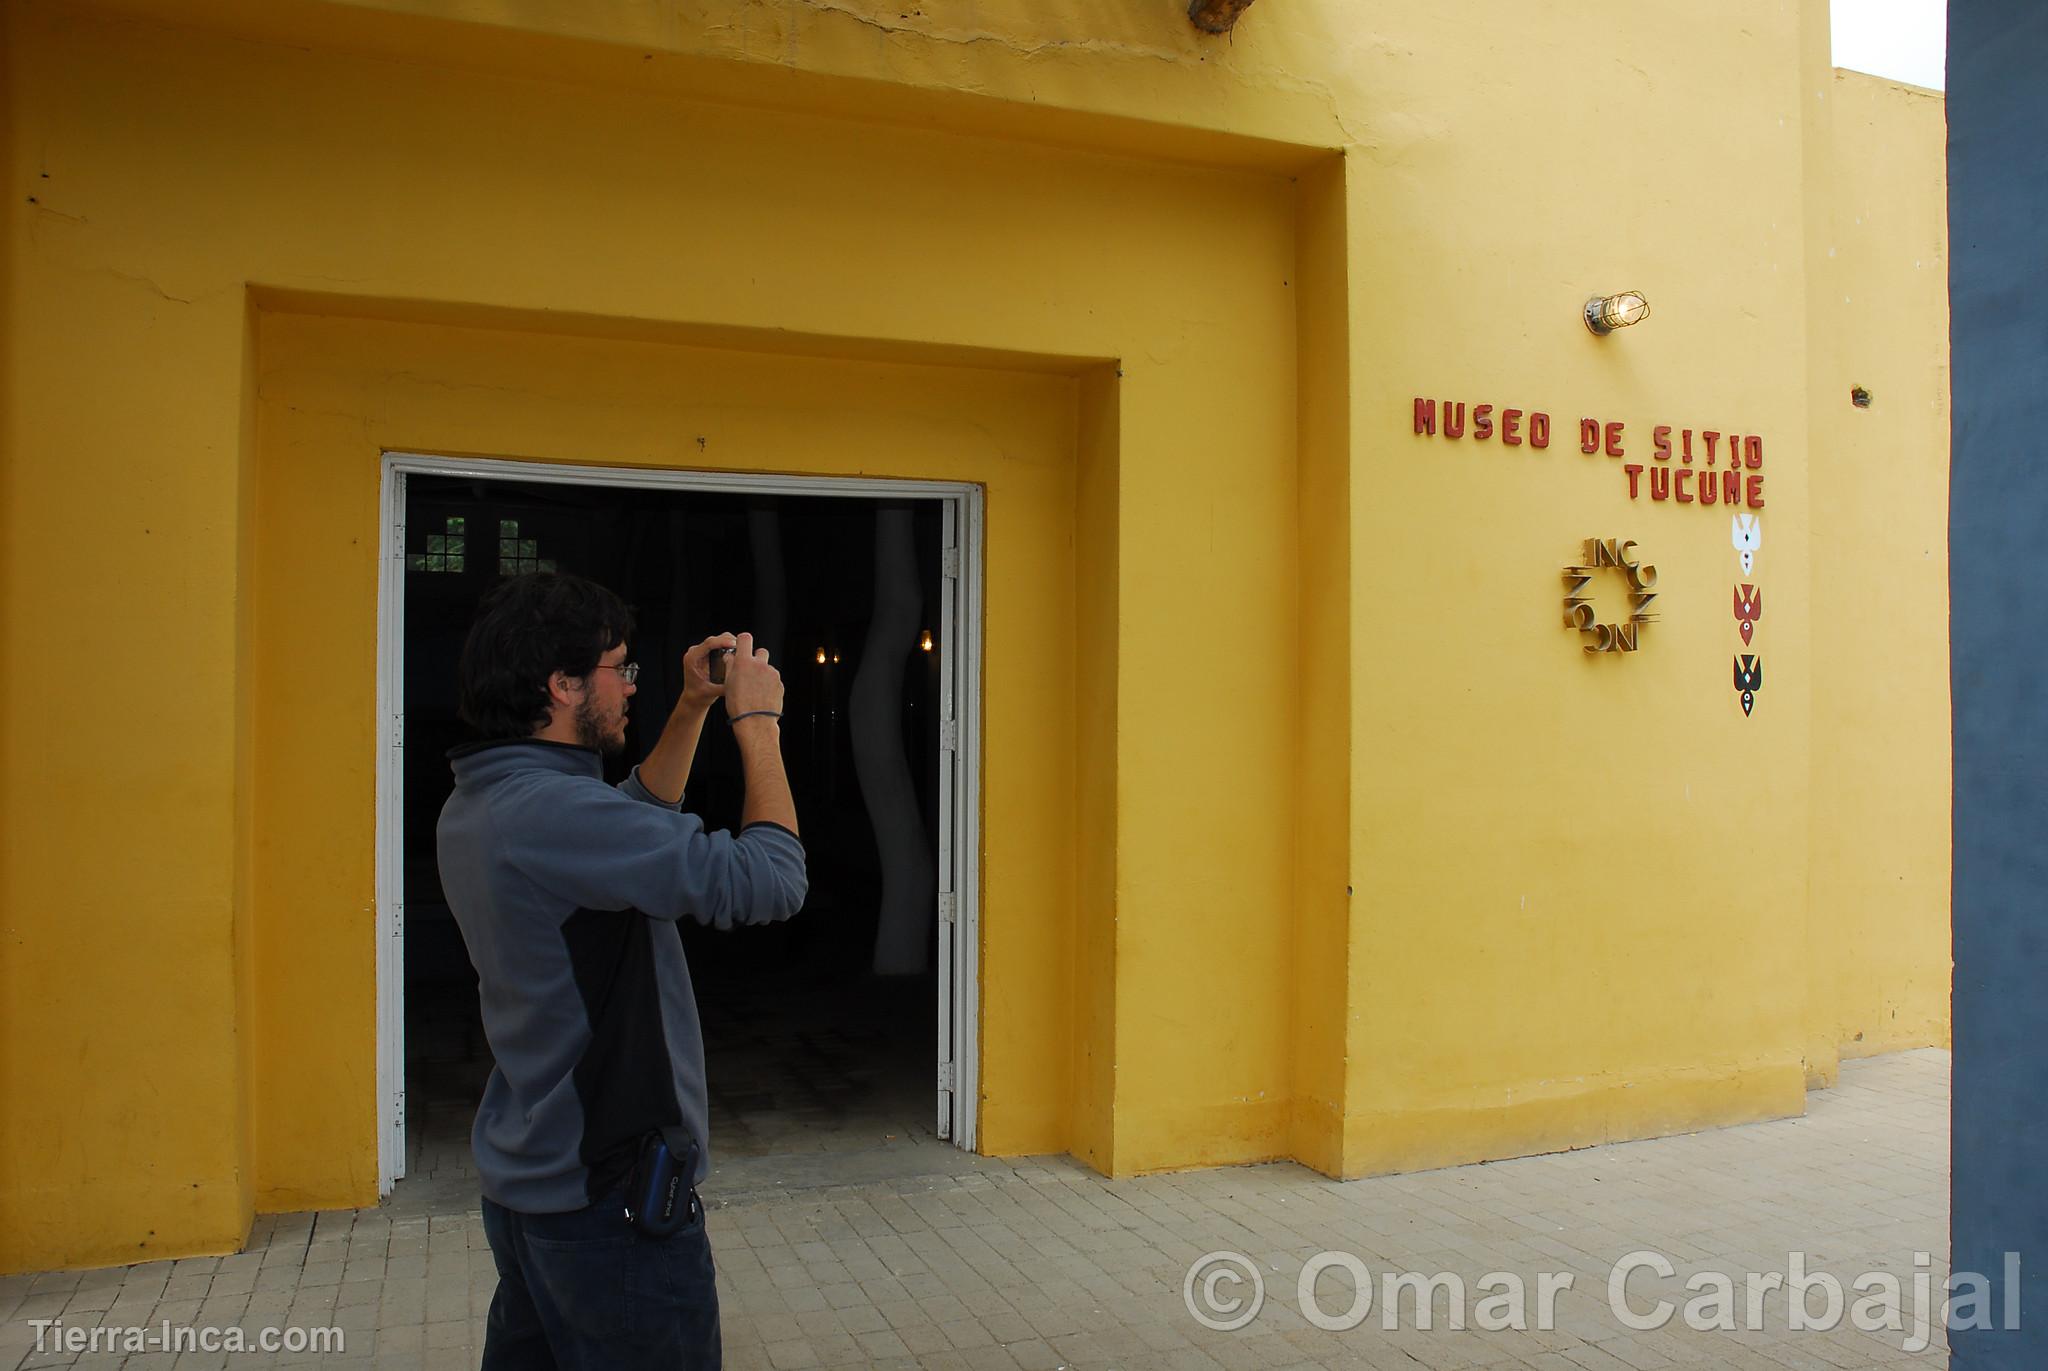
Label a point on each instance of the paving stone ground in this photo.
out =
(1043, 1264)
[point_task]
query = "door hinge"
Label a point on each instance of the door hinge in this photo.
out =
(949, 563)
(398, 920)
(949, 908)
(398, 511)
(946, 1075)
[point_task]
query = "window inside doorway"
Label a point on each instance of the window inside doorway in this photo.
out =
(517, 555)
(445, 551)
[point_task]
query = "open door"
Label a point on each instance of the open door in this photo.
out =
(450, 521)
(959, 815)
(949, 751)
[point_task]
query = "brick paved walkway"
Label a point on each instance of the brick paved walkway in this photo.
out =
(1043, 1264)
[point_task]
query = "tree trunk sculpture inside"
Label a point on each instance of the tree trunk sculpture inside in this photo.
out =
(909, 883)
(771, 582)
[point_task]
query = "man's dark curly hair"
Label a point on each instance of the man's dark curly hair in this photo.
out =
(525, 630)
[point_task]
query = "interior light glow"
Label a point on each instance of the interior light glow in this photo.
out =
(1606, 313)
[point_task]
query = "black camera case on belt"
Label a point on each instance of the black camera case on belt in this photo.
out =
(660, 1199)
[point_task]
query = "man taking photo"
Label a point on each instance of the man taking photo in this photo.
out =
(592, 1133)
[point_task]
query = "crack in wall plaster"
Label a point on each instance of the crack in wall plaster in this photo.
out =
(1094, 46)
(1022, 49)
(120, 275)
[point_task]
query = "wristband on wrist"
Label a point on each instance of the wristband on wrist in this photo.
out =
(756, 714)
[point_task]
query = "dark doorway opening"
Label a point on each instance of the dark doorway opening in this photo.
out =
(807, 1049)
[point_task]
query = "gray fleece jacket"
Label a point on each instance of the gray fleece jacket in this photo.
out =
(567, 890)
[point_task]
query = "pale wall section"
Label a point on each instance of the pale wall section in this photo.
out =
(1881, 765)
(1580, 882)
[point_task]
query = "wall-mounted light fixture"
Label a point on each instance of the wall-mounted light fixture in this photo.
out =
(1606, 313)
(925, 640)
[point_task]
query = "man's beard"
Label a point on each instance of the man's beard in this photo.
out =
(591, 731)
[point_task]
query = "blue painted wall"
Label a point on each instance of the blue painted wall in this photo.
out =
(1998, 581)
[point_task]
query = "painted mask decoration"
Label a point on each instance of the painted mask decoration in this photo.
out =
(1747, 533)
(1749, 607)
(1749, 679)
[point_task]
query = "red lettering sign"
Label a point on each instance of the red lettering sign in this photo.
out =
(1739, 484)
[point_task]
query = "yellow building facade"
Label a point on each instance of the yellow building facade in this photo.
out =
(1333, 845)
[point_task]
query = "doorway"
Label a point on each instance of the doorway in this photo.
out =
(850, 1027)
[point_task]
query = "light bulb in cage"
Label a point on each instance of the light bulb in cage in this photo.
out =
(1606, 313)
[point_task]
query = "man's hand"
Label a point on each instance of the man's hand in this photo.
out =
(666, 769)
(750, 683)
(698, 688)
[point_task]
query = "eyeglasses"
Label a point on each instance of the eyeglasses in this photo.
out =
(629, 672)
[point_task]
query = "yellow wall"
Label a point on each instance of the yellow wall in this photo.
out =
(1339, 849)
(1880, 574)
(175, 188)
(1323, 757)
(1575, 875)
(335, 393)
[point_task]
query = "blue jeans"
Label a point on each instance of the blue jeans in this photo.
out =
(586, 1291)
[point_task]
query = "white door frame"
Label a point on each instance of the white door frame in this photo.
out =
(960, 933)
